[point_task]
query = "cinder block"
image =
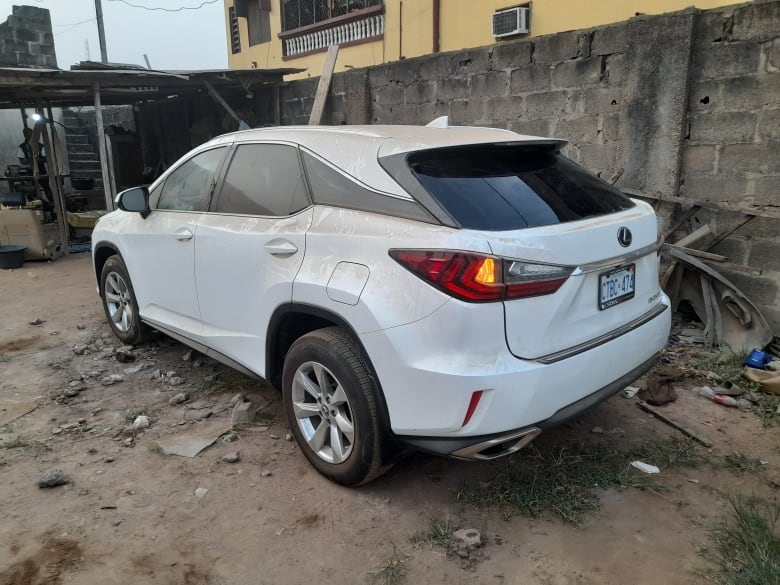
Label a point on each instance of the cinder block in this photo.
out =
(717, 188)
(493, 84)
(734, 249)
(763, 255)
(727, 60)
(389, 95)
(511, 54)
(576, 73)
(615, 68)
(698, 159)
(705, 96)
(546, 104)
(467, 112)
(723, 127)
(766, 191)
(534, 77)
(756, 21)
(771, 50)
(749, 158)
(761, 290)
(468, 62)
(403, 72)
(452, 89)
(762, 227)
(750, 93)
(599, 156)
(599, 100)
(610, 127)
(503, 109)
(557, 47)
(421, 92)
(710, 27)
(28, 35)
(432, 110)
(769, 125)
(579, 131)
(609, 40)
(538, 127)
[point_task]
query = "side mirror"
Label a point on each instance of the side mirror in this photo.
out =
(135, 199)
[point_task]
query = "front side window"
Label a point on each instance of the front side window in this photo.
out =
(263, 179)
(189, 187)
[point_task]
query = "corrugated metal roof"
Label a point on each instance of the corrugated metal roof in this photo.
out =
(119, 84)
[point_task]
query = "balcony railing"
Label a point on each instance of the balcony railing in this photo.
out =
(357, 27)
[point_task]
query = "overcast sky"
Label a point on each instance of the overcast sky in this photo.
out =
(189, 39)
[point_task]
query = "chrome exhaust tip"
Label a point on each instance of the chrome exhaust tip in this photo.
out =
(498, 446)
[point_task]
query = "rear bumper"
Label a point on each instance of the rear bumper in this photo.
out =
(500, 444)
(430, 369)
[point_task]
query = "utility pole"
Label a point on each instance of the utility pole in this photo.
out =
(101, 32)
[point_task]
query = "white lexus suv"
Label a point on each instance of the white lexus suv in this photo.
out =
(455, 290)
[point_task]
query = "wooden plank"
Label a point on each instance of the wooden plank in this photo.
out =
(56, 189)
(323, 87)
(682, 427)
(697, 253)
(215, 94)
(705, 204)
(101, 135)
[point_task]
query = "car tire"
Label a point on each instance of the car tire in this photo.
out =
(119, 302)
(342, 431)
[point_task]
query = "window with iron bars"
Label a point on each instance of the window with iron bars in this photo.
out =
(300, 13)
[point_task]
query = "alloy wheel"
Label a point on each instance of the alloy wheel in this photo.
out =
(323, 412)
(118, 301)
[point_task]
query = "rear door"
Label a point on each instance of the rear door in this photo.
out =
(249, 249)
(539, 211)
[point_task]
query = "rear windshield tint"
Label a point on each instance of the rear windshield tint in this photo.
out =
(496, 187)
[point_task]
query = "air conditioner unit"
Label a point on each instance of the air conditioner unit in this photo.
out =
(510, 21)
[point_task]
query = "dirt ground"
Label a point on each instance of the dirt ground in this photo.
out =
(130, 514)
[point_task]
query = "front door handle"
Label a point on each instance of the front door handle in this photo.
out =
(183, 234)
(279, 247)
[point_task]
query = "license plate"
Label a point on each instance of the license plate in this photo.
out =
(616, 286)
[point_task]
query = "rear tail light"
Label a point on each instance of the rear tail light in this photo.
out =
(481, 278)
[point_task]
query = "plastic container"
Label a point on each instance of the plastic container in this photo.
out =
(11, 257)
(757, 359)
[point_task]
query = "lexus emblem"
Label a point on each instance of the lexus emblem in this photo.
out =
(624, 237)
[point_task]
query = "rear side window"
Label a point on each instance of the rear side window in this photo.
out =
(330, 187)
(497, 187)
(263, 179)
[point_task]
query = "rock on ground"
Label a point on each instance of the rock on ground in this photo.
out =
(52, 479)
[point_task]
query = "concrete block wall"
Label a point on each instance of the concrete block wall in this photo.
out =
(731, 152)
(26, 39)
(684, 103)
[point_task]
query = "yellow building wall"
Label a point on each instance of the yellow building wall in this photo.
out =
(463, 24)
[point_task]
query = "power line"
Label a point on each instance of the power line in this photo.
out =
(72, 26)
(153, 8)
(76, 23)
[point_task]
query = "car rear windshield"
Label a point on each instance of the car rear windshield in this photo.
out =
(507, 187)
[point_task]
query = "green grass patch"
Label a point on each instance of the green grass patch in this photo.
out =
(391, 571)
(746, 547)
(563, 480)
(22, 442)
(741, 464)
(4, 358)
(438, 533)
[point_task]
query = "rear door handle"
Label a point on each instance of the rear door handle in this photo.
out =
(183, 234)
(279, 247)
